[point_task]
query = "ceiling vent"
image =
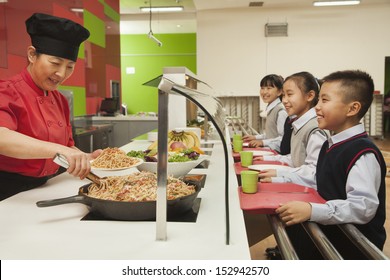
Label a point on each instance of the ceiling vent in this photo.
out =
(256, 4)
(276, 30)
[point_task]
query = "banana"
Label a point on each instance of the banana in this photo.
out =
(197, 140)
(190, 141)
(194, 137)
(152, 153)
(189, 138)
(153, 146)
(176, 134)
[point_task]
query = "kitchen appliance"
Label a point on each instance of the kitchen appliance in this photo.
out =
(124, 109)
(109, 107)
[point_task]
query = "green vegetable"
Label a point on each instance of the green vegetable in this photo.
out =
(186, 155)
(178, 158)
(195, 122)
(138, 154)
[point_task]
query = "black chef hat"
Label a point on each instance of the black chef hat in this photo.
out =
(56, 36)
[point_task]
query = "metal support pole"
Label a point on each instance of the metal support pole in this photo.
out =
(286, 248)
(206, 128)
(323, 244)
(162, 165)
(361, 242)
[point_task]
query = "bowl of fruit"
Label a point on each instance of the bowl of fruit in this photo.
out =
(181, 159)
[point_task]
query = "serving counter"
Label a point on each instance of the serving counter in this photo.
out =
(58, 232)
(126, 128)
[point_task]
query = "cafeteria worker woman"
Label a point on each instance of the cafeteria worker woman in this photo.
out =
(34, 116)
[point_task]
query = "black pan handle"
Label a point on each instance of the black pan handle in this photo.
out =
(71, 199)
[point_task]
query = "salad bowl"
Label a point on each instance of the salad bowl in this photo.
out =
(179, 163)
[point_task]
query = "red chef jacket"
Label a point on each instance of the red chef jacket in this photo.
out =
(24, 108)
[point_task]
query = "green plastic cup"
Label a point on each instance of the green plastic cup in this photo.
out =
(249, 180)
(237, 137)
(237, 145)
(246, 158)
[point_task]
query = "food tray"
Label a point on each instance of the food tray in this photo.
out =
(269, 196)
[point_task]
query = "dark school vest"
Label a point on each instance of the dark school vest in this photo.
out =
(333, 167)
(285, 144)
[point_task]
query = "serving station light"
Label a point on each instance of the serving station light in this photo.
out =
(162, 9)
(336, 3)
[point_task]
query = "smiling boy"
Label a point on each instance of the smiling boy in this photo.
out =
(350, 170)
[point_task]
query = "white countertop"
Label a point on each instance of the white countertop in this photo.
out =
(29, 232)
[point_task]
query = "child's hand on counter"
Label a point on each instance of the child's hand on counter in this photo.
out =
(294, 212)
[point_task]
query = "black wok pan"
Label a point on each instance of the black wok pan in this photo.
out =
(126, 211)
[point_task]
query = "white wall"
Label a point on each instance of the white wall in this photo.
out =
(233, 54)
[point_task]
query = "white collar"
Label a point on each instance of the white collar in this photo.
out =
(345, 134)
(302, 120)
(272, 105)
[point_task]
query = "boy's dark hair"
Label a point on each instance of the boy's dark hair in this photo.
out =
(356, 85)
(306, 82)
(273, 81)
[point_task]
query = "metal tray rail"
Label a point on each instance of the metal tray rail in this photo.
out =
(327, 250)
(361, 242)
(286, 248)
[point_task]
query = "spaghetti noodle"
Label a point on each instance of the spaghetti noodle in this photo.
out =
(140, 186)
(112, 158)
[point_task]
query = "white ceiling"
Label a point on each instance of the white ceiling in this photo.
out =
(133, 21)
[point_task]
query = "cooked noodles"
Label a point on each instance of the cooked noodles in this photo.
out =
(140, 186)
(112, 158)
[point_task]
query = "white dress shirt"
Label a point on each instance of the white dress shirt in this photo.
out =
(362, 188)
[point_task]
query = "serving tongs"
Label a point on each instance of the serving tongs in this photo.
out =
(62, 161)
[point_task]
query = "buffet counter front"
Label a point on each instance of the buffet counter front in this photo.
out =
(60, 232)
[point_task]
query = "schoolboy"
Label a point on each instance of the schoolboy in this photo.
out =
(350, 170)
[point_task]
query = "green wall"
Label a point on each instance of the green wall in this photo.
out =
(97, 29)
(148, 59)
(79, 100)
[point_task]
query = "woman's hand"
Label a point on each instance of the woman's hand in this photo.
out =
(95, 154)
(294, 212)
(79, 163)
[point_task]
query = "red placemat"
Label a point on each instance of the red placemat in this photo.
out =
(270, 195)
(238, 168)
(236, 156)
